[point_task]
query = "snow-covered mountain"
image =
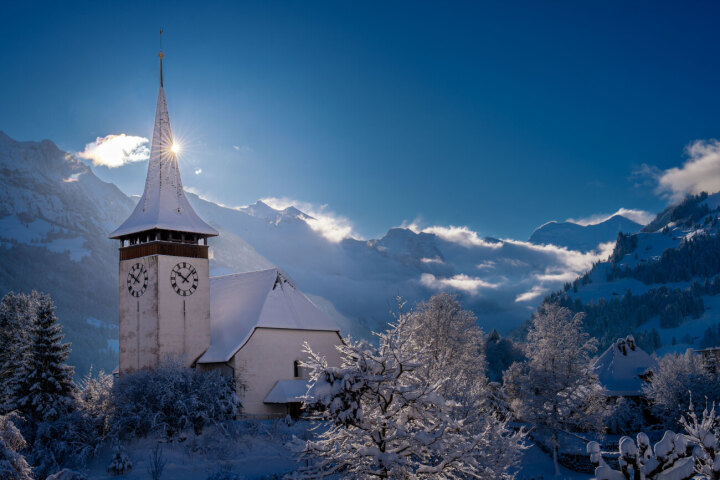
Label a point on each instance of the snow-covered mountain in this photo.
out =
(661, 284)
(55, 215)
(583, 237)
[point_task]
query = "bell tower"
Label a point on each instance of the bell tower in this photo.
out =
(164, 273)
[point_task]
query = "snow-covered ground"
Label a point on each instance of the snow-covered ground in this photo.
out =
(537, 465)
(258, 449)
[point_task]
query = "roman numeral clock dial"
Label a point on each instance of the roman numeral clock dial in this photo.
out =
(137, 280)
(184, 279)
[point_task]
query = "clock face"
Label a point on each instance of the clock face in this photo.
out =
(184, 279)
(137, 280)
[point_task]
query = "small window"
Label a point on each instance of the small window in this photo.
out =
(296, 368)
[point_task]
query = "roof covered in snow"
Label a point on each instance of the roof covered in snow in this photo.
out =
(287, 391)
(163, 204)
(242, 302)
(621, 366)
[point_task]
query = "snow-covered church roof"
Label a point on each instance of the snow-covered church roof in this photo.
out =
(163, 205)
(621, 367)
(242, 302)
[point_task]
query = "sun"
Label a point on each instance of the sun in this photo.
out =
(175, 148)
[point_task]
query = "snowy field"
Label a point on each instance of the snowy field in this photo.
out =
(258, 450)
(255, 450)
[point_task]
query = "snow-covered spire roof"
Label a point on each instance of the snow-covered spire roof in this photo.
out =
(163, 205)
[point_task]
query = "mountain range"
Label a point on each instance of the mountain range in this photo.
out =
(55, 215)
(661, 284)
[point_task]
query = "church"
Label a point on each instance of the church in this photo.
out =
(249, 325)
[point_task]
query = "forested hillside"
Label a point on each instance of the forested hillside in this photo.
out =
(661, 284)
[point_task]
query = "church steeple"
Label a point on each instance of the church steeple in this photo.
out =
(161, 55)
(163, 207)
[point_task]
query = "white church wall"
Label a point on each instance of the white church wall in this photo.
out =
(138, 318)
(184, 321)
(268, 356)
(160, 322)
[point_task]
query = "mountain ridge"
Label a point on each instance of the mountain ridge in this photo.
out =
(55, 216)
(583, 237)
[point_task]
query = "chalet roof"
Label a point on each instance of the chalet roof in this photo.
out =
(242, 302)
(621, 366)
(163, 204)
(288, 391)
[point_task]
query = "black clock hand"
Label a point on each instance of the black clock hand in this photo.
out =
(137, 280)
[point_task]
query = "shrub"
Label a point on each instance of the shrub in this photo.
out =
(170, 399)
(13, 465)
(69, 441)
(120, 463)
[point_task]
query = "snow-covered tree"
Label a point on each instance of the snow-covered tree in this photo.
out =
(73, 438)
(692, 454)
(452, 345)
(501, 353)
(13, 465)
(674, 379)
(120, 462)
(94, 399)
(388, 419)
(703, 433)
(555, 388)
(44, 386)
(171, 398)
(16, 311)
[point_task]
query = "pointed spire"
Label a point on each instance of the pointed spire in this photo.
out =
(161, 55)
(163, 205)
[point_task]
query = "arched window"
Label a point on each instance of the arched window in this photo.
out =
(296, 368)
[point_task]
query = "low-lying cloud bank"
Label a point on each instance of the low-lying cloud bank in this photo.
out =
(329, 224)
(502, 280)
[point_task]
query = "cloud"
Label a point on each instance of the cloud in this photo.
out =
(332, 226)
(115, 151)
(460, 282)
(461, 235)
(198, 171)
(506, 271)
(432, 260)
(699, 173)
(643, 217)
(530, 295)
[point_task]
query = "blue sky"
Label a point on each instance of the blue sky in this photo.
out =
(498, 116)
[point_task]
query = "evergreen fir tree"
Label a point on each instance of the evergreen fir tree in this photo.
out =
(15, 313)
(44, 386)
